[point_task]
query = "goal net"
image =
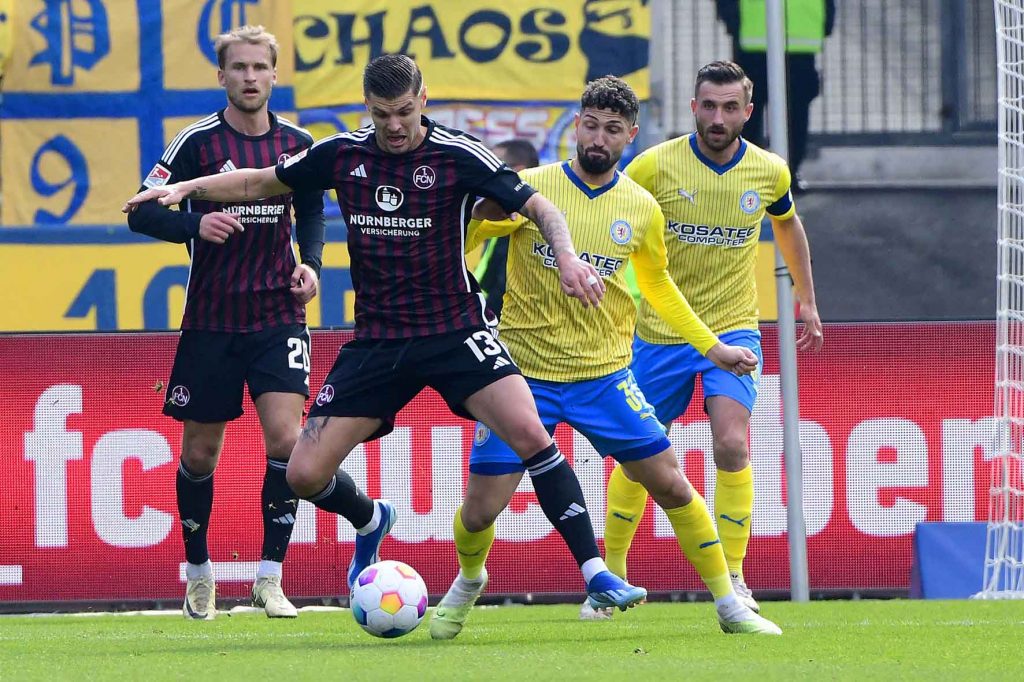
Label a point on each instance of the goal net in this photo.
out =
(1004, 552)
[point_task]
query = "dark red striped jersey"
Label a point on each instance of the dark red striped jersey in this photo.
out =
(243, 284)
(407, 216)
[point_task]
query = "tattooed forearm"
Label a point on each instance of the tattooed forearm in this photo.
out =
(197, 193)
(245, 188)
(551, 223)
(311, 431)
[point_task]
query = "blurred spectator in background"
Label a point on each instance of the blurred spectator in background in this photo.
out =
(490, 271)
(807, 24)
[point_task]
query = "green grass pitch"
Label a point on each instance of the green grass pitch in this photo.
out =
(856, 640)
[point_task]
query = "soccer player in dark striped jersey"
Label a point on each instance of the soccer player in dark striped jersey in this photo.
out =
(406, 186)
(244, 319)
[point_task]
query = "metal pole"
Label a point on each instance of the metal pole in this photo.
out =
(795, 527)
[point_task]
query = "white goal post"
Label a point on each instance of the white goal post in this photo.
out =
(1004, 550)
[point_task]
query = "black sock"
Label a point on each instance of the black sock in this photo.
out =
(279, 508)
(343, 497)
(561, 498)
(195, 501)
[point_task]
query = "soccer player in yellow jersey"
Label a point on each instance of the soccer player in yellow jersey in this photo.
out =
(577, 361)
(714, 188)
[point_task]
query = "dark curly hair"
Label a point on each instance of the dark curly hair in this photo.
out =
(612, 93)
(724, 73)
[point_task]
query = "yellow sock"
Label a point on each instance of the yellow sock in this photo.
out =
(472, 548)
(734, 501)
(696, 534)
(626, 503)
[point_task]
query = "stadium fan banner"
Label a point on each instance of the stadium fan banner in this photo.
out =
(115, 280)
(95, 89)
(548, 127)
(472, 50)
(895, 427)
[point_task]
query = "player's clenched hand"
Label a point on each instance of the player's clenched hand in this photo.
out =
(167, 195)
(735, 359)
(304, 283)
(579, 279)
(217, 226)
(812, 338)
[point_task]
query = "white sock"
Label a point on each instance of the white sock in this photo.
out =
(592, 567)
(474, 582)
(374, 521)
(269, 568)
(463, 589)
(193, 571)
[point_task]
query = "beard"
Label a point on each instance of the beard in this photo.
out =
(596, 164)
(719, 144)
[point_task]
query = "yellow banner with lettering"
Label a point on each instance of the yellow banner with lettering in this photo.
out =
(477, 50)
(104, 280)
(6, 33)
(89, 85)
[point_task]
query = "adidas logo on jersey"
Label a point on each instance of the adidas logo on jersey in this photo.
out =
(228, 166)
(359, 171)
(286, 520)
(501, 362)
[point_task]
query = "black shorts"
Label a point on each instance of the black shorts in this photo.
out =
(211, 368)
(377, 378)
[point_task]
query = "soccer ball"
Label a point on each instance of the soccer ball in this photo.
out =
(388, 599)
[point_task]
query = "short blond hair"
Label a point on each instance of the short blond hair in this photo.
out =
(254, 35)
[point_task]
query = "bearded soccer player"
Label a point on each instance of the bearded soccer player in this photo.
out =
(245, 318)
(715, 188)
(577, 362)
(406, 186)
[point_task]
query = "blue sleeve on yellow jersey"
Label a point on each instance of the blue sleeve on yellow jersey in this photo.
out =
(783, 207)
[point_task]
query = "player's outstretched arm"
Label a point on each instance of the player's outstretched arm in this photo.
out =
(579, 278)
(792, 241)
(245, 184)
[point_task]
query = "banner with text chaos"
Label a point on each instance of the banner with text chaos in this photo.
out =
(475, 50)
(895, 428)
(94, 90)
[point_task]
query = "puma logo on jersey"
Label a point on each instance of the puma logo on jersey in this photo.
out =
(691, 196)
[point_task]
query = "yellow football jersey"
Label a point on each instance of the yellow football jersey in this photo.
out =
(713, 219)
(551, 335)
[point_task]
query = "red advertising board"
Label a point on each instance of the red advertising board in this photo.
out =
(895, 429)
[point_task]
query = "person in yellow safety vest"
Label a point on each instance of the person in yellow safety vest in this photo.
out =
(490, 271)
(807, 24)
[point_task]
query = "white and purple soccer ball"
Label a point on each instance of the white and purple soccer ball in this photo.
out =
(389, 599)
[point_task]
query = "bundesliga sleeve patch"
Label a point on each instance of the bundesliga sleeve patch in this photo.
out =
(157, 177)
(292, 160)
